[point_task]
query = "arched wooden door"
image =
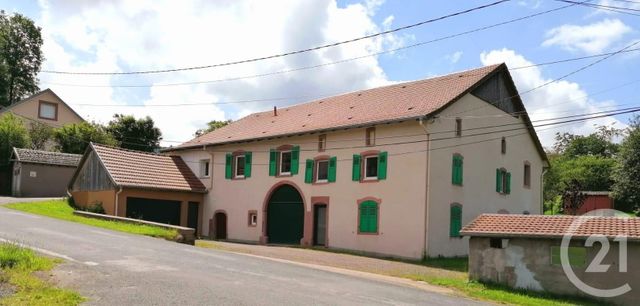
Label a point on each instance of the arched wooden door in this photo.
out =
(221, 225)
(285, 216)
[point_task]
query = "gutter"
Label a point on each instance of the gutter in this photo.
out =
(544, 171)
(117, 194)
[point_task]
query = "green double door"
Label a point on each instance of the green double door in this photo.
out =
(285, 216)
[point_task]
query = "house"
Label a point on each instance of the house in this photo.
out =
(139, 185)
(523, 251)
(41, 173)
(393, 171)
(595, 200)
(43, 107)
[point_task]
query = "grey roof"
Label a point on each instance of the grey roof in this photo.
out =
(46, 157)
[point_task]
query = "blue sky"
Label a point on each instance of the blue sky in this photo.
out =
(141, 35)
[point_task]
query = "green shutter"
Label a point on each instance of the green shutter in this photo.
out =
(456, 170)
(228, 170)
(455, 221)
(355, 174)
(273, 154)
(498, 180)
(508, 191)
(382, 165)
(333, 161)
(308, 172)
(295, 160)
(460, 168)
(247, 164)
(368, 217)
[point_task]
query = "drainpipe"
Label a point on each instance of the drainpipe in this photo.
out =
(544, 171)
(426, 192)
(117, 194)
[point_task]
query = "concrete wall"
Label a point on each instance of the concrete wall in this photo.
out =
(526, 263)
(89, 198)
(37, 180)
(402, 195)
(29, 109)
(482, 156)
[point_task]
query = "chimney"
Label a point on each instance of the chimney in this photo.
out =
(275, 111)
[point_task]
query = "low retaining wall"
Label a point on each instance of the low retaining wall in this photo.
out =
(186, 235)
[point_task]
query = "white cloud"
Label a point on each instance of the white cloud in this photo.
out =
(141, 35)
(635, 5)
(454, 57)
(590, 39)
(562, 98)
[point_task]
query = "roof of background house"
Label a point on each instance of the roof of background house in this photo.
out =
(45, 157)
(541, 226)
(7, 108)
(391, 103)
(135, 169)
(596, 193)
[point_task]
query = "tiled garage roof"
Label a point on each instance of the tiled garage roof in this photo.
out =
(148, 170)
(383, 104)
(45, 157)
(501, 225)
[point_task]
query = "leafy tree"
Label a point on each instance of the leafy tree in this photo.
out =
(626, 188)
(12, 134)
(75, 137)
(573, 198)
(212, 126)
(20, 57)
(599, 143)
(593, 173)
(39, 133)
(135, 134)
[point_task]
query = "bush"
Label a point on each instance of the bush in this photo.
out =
(96, 208)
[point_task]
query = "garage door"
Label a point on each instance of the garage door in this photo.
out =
(161, 211)
(285, 216)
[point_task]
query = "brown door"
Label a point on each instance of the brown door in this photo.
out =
(320, 225)
(221, 225)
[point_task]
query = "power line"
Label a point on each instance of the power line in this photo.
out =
(287, 53)
(617, 9)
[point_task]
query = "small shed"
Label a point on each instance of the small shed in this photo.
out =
(42, 173)
(524, 251)
(595, 200)
(140, 185)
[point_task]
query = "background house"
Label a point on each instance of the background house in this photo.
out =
(138, 185)
(595, 200)
(41, 173)
(44, 107)
(394, 170)
(524, 252)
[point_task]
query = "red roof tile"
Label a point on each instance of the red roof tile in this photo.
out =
(383, 104)
(148, 170)
(501, 225)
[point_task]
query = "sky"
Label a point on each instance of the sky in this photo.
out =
(123, 36)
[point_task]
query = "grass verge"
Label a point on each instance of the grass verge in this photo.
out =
(17, 266)
(60, 209)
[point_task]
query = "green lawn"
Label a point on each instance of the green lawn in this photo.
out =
(60, 209)
(17, 266)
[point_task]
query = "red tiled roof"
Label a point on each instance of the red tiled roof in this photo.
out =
(383, 104)
(501, 225)
(148, 170)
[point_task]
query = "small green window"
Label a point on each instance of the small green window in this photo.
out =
(503, 181)
(456, 170)
(455, 220)
(577, 256)
(368, 211)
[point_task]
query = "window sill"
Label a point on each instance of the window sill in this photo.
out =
(370, 180)
(284, 175)
(368, 234)
(239, 178)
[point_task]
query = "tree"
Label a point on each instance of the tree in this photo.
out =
(75, 137)
(12, 134)
(20, 57)
(140, 134)
(599, 143)
(572, 198)
(212, 126)
(626, 188)
(593, 173)
(39, 133)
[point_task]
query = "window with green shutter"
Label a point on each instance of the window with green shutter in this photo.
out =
(503, 181)
(456, 170)
(455, 220)
(382, 165)
(355, 171)
(248, 156)
(228, 169)
(368, 217)
(308, 172)
(295, 160)
(333, 163)
(507, 183)
(273, 166)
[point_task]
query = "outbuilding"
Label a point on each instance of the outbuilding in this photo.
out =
(140, 185)
(526, 251)
(41, 173)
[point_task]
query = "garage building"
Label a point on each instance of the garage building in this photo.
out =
(139, 185)
(41, 173)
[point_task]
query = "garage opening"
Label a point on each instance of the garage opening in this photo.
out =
(285, 216)
(161, 211)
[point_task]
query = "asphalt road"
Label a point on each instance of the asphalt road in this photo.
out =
(112, 268)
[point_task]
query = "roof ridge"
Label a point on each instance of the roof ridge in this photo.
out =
(49, 152)
(128, 150)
